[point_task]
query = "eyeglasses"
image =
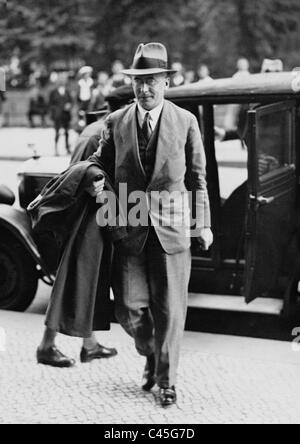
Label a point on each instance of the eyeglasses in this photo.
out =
(150, 81)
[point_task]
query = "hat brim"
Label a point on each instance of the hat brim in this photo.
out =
(148, 71)
(98, 113)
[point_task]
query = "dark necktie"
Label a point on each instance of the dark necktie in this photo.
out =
(146, 128)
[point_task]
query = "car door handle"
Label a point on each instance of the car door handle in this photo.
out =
(265, 200)
(261, 200)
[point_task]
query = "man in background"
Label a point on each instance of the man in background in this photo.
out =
(60, 105)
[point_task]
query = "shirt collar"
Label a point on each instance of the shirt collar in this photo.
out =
(154, 114)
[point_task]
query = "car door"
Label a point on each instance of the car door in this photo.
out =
(271, 195)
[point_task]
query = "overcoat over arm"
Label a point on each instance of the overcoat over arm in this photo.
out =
(66, 215)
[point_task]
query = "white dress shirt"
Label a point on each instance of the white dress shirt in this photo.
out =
(154, 115)
(85, 91)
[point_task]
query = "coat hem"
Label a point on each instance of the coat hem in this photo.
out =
(75, 332)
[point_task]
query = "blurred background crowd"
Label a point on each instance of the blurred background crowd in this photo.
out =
(76, 49)
(40, 92)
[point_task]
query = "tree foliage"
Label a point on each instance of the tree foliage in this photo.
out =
(47, 29)
(269, 28)
(98, 31)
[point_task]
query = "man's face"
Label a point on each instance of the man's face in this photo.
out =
(150, 89)
(62, 80)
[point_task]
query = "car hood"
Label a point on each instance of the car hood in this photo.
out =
(45, 166)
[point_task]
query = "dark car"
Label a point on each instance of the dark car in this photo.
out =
(21, 262)
(252, 180)
(253, 183)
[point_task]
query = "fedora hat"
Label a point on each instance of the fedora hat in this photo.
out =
(150, 58)
(101, 111)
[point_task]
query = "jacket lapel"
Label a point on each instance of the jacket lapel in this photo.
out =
(165, 143)
(166, 138)
(129, 132)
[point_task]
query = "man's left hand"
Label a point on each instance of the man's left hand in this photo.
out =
(206, 238)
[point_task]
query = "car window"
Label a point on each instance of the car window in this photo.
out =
(231, 152)
(274, 140)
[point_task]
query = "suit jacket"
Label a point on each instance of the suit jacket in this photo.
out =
(88, 141)
(57, 104)
(180, 166)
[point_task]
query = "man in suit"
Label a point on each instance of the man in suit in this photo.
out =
(60, 104)
(155, 148)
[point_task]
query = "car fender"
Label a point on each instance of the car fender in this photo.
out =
(18, 223)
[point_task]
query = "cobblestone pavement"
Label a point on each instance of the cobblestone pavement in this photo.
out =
(222, 379)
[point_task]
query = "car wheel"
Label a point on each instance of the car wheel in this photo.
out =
(18, 275)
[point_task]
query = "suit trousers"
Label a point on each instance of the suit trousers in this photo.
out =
(151, 293)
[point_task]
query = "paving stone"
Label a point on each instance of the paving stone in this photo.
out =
(213, 386)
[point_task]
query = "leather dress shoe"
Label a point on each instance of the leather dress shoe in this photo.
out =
(53, 357)
(167, 396)
(148, 381)
(98, 352)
